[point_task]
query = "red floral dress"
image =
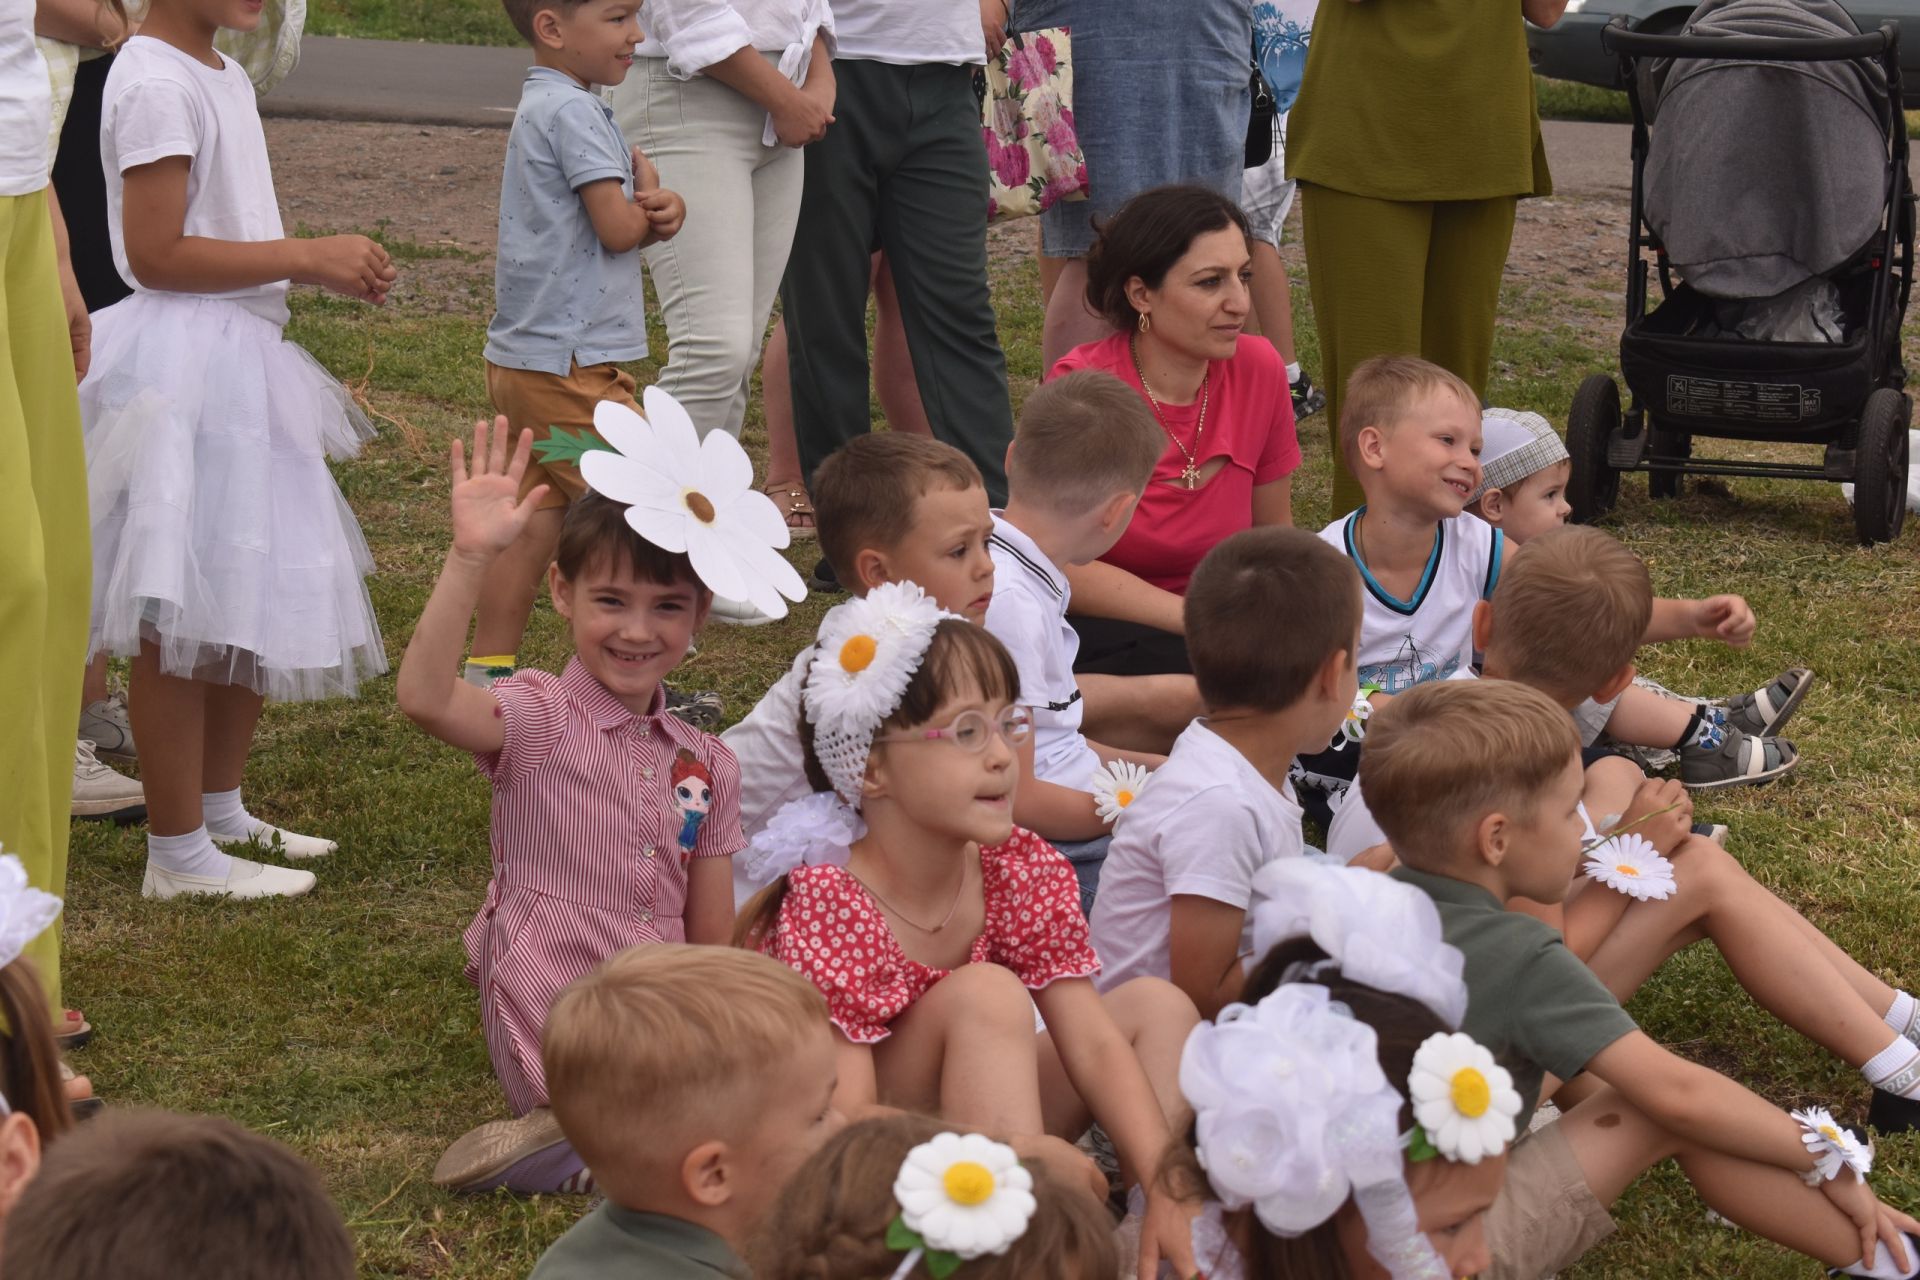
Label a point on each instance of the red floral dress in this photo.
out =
(832, 931)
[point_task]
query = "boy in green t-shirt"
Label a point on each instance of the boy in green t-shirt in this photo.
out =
(1478, 786)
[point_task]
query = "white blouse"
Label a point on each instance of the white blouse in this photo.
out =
(694, 34)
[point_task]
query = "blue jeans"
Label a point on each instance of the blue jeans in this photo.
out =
(1086, 857)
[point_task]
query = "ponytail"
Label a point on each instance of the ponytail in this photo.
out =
(29, 1057)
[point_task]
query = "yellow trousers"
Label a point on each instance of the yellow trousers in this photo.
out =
(46, 565)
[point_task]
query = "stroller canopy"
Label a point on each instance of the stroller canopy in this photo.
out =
(1761, 175)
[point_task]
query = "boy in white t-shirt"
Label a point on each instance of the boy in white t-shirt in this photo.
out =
(1081, 456)
(1179, 877)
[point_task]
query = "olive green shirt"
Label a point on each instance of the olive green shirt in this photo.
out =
(1418, 100)
(1530, 1002)
(612, 1243)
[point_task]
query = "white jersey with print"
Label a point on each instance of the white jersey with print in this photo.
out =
(1028, 614)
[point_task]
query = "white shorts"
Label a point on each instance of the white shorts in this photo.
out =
(1267, 193)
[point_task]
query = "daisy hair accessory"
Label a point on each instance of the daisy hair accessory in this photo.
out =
(1832, 1146)
(1375, 930)
(1354, 727)
(1630, 864)
(961, 1196)
(1464, 1103)
(685, 494)
(867, 652)
(1117, 785)
(813, 831)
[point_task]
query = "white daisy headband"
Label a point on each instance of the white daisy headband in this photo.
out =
(961, 1196)
(687, 495)
(25, 913)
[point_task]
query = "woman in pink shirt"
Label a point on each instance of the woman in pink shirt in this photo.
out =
(1171, 272)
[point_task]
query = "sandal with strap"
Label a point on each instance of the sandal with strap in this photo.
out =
(72, 1031)
(794, 504)
(1763, 711)
(1740, 760)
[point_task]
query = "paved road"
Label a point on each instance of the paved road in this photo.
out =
(384, 80)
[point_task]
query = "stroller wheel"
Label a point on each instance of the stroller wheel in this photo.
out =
(1674, 445)
(1880, 471)
(1592, 419)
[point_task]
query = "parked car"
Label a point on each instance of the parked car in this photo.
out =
(1570, 49)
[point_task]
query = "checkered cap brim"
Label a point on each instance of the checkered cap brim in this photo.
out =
(1540, 448)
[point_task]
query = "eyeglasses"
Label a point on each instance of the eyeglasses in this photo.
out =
(973, 729)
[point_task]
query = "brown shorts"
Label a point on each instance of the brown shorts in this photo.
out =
(537, 402)
(1546, 1217)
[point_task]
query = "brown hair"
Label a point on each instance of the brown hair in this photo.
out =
(1082, 438)
(960, 654)
(1146, 237)
(151, 1195)
(1444, 754)
(29, 1057)
(866, 492)
(1242, 586)
(1569, 612)
(1383, 389)
(521, 12)
(618, 1043)
(596, 526)
(831, 1221)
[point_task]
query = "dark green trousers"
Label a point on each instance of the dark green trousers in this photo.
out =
(902, 169)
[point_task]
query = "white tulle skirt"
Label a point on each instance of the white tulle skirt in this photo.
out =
(219, 535)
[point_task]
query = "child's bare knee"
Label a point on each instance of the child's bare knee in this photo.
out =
(989, 993)
(1152, 1004)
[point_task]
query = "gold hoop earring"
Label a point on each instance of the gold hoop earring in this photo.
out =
(1146, 322)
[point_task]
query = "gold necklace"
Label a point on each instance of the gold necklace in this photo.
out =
(1190, 474)
(958, 893)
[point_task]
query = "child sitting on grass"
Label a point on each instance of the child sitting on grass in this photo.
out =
(693, 1081)
(1081, 456)
(613, 822)
(934, 925)
(1179, 878)
(1478, 785)
(837, 1215)
(1524, 470)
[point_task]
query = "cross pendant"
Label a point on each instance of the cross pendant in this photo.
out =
(1191, 476)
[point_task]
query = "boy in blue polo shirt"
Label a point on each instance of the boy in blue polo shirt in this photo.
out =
(576, 206)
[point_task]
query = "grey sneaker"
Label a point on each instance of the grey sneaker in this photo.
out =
(100, 793)
(1764, 710)
(104, 724)
(1740, 760)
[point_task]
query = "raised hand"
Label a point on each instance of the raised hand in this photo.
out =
(488, 512)
(353, 265)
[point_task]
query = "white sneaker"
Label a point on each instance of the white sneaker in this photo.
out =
(736, 613)
(244, 879)
(290, 844)
(100, 793)
(104, 723)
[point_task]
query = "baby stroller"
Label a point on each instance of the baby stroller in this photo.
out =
(1770, 189)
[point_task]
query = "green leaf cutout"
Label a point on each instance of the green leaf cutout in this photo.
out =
(1421, 1148)
(941, 1265)
(562, 445)
(901, 1237)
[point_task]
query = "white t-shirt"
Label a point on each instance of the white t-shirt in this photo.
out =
(26, 102)
(1429, 637)
(773, 770)
(160, 102)
(908, 33)
(1205, 824)
(1028, 614)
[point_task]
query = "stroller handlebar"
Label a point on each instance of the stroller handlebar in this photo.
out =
(1616, 37)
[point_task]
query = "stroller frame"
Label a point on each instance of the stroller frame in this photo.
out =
(1868, 447)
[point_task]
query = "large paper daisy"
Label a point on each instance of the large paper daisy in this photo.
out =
(1462, 1098)
(685, 494)
(868, 650)
(1630, 864)
(964, 1195)
(1831, 1145)
(1117, 785)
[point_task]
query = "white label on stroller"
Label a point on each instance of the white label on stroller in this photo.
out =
(1741, 401)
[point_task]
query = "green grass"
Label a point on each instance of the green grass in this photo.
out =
(1568, 100)
(341, 1024)
(436, 21)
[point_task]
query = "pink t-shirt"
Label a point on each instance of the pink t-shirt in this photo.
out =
(1249, 422)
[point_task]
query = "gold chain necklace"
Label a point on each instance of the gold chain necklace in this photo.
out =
(1190, 475)
(904, 918)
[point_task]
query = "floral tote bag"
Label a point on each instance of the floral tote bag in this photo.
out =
(1033, 154)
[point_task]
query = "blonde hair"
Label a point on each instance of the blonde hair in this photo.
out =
(1082, 438)
(664, 1038)
(1569, 612)
(1444, 754)
(1382, 390)
(831, 1221)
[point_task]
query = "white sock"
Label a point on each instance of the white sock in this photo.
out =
(1895, 1069)
(1883, 1267)
(226, 816)
(193, 854)
(1293, 372)
(1904, 1016)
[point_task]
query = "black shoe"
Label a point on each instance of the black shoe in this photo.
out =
(1307, 398)
(1892, 1113)
(823, 578)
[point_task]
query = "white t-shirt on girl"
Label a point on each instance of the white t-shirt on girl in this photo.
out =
(160, 102)
(910, 33)
(26, 102)
(1205, 824)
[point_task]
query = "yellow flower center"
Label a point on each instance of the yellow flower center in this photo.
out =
(1830, 1133)
(1471, 1097)
(1627, 869)
(1123, 797)
(856, 655)
(700, 505)
(968, 1182)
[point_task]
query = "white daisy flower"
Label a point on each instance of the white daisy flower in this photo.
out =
(1831, 1146)
(1117, 785)
(25, 912)
(1464, 1100)
(966, 1195)
(1354, 727)
(685, 494)
(1630, 864)
(869, 649)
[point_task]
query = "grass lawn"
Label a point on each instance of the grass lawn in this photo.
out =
(341, 1024)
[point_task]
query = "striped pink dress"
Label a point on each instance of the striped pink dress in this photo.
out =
(596, 814)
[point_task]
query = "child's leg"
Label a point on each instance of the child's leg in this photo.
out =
(1713, 752)
(169, 715)
(1155, 1017)
(1644, 718)
(1138, 713)
(966, 1051)
(1069, 324)
(513, 583)
(1273, 300)
(894, 382)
